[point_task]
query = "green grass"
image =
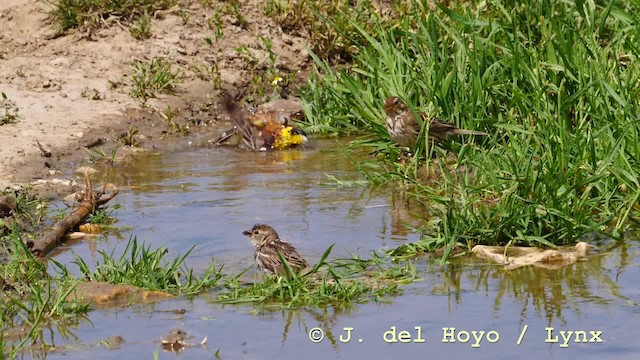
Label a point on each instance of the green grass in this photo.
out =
(29, 213)
(36, 300)
(69, 14)
(141, 30)
(101, 156)
(330, 27)
(33, 300)
(152, 77)
(340, 283)
(130, 137)
(555, 84)
(8, 110)
(174, 127)
(103, 217)
(141, 266)
(92, 94)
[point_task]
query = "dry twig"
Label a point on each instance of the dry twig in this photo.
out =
(88, 202)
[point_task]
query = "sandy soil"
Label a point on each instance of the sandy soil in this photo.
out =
(46, 76)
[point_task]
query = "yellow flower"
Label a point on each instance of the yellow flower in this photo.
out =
(276, 80)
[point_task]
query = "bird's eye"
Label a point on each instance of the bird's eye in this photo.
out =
(255, 232)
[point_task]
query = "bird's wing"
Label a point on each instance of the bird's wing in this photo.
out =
(240, 117)
(436, 124)
(267, 256)
(268, 260)
(293, 258)
(443, 127)
(469, 132)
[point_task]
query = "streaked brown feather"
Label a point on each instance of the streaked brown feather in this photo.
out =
(250, 135)
(403, 128)
(259, 130)
(268, 244)
(266, 257)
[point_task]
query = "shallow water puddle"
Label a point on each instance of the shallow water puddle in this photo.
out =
(209, 196)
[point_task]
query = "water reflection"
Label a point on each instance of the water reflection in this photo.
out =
(595, 281)
(54, 336)
(209, 196)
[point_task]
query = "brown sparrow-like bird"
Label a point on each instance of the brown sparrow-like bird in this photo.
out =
(268, 244)
(263, 130)
(404, 128)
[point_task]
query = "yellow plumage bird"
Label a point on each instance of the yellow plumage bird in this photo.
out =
(289, 137)
(260, 131)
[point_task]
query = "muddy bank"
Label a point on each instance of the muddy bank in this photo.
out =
(73, 91)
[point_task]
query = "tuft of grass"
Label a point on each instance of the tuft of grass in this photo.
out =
(92, 94)
(103, 216)
(239, 19)
(141, 266)
(70, 14)
(329, 26)
(129, 138)
(211, 72)
(173, 127)
(551, 81)
(184, 15)
(28, 216)
(141, 29)
(152, 77)
(267, 80)
(36, 301)
(102, 156)
(33, 300)
(8, 110)
(339, 283)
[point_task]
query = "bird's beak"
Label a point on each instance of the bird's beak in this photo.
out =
(246, 233)
(303, 136)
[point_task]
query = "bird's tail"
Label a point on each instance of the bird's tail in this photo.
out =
(469, 132)
(226, 136)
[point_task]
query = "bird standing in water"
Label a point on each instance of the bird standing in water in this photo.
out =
(268, 244)
(262, 131)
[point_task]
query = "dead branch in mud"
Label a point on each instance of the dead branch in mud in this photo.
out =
(88, 202)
